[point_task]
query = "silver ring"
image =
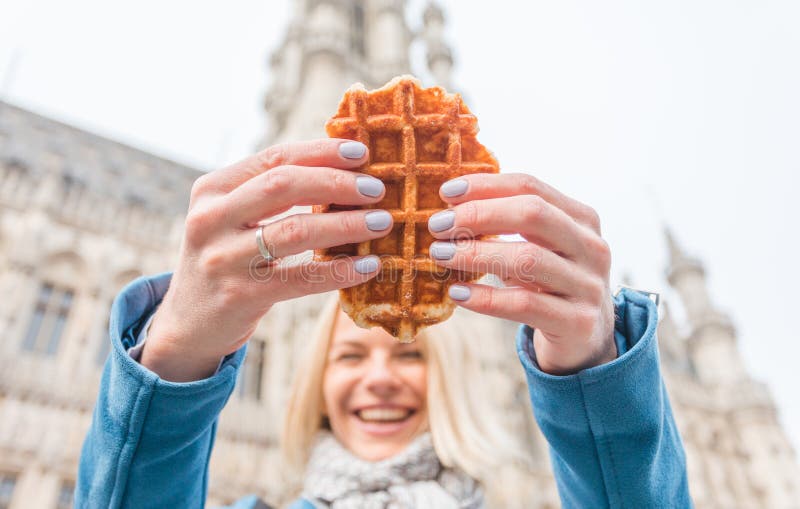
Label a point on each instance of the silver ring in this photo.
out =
(262, 248)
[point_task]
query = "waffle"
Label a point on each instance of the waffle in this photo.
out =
(418, 139)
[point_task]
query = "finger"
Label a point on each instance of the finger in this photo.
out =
(332, 152)
(279, 189)
(480, 186)
(521, 263)
(289, 281)
(301, 232)
(295, 234)
(553, 315)
(529, 215)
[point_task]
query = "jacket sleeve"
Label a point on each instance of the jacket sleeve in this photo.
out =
(150, 440)
(613, 440)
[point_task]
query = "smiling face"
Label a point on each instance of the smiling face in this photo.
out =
(374, 390)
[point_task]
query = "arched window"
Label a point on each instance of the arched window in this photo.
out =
(50, 315)
(62, 281)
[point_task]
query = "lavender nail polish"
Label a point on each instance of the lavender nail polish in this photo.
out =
(366, 265)
(369, 186)
(455, 187)
(459, 292)
(442, 221)
(352, 150)
(442, 250)
(378, 220)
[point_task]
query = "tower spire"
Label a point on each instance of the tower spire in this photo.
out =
(712, 340)
(687, 275)
(677, 256)
(311, 68)
(439, 55)
(387, 37)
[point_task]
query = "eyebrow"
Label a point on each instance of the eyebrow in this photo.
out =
(348, 342)
(360, 344)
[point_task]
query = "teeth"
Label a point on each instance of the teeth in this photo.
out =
(383, 414)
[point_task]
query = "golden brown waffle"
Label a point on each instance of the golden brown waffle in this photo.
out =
(418, 139)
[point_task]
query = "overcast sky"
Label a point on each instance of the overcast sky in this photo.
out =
(684, 112)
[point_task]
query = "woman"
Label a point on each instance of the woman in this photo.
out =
(590, 359)
(360, 397)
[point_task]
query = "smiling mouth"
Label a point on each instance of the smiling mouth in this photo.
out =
(383, 415)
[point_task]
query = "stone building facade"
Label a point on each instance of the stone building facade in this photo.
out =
(80, 216)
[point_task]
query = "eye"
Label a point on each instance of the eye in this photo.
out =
(414, 354)
(349, 356)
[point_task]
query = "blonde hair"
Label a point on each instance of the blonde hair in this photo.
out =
(459, 413)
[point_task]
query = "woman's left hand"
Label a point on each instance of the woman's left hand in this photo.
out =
(557, 279)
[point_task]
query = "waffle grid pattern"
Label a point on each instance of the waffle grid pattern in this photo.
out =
(413, 153)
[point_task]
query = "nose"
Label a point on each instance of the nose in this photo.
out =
(380, 377)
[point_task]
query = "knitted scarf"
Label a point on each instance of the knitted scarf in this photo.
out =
(414, 478)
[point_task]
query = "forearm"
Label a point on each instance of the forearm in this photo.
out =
(150, 440)
(613, 440)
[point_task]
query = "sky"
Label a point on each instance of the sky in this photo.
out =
(683, 113)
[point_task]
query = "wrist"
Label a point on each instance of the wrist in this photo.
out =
(173, 357)
(174, 365)
(557, 360)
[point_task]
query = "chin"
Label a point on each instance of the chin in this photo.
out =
(380, 452)
(366, 444)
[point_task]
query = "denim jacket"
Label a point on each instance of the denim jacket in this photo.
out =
(613, 441)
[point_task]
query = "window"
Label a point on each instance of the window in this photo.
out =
(249, 382)
(7, 483)
(65, 495)
(17, 165)
(16, 171)
(48, 321)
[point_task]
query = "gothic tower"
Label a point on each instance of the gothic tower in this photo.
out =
(712, 344)
(439, 56)
(738, 453)
(331, 44)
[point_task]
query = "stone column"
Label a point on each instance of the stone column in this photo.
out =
(16, 314)
(440, 59)
(388, 39)
(35, 488)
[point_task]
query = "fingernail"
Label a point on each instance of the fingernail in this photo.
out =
(442, 250)
(442, 221)
(378, 220)
(366, 265)
(369, 186)
(455, 187)
(352, 150)
(459, 292)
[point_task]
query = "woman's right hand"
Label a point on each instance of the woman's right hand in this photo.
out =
(214, 301)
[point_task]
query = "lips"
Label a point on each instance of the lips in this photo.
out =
(383, 420)
(383, 414)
